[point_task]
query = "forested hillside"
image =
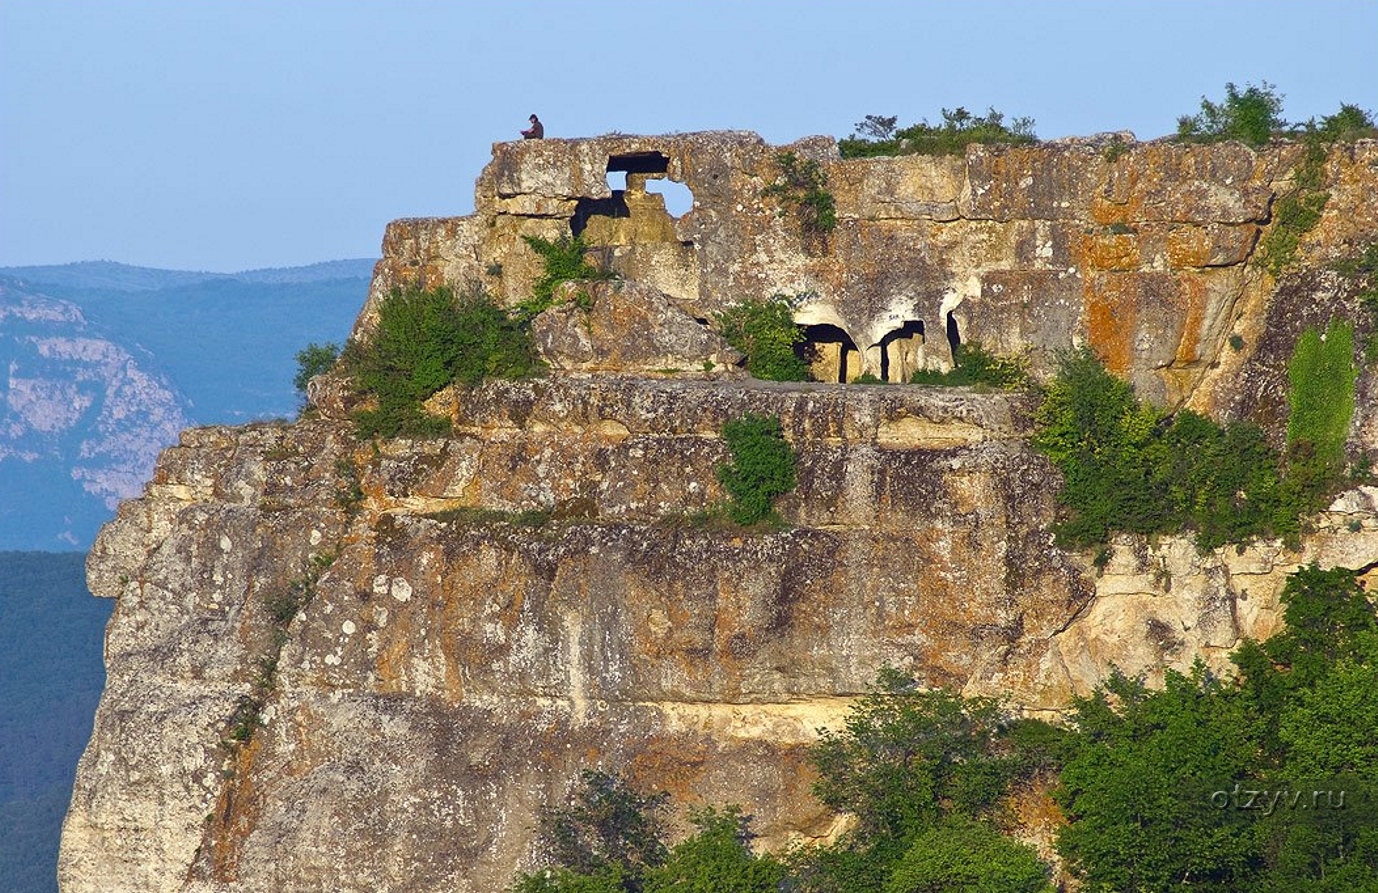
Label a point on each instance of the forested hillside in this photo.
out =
(51, 675)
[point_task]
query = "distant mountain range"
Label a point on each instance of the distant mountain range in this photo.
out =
(104, 363)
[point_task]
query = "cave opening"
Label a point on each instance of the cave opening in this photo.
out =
(901, 352)
(954, 337)
(830, 352)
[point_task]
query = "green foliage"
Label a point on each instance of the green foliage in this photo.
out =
(1127, 467)
(766, 333)
(425, 340)
(965, 855)
(907, 756)
(804, 185)
(1296, 212)
(608, 829)
(716, 859)
(919, 769)
(563, 260)
(975, 366)
(1098, 435)
(959, 129)
(1348, 124)
(1137, 792)
(312, 360)
(606, 879)
(1251, 116)
(762, 467)
(1321, 400)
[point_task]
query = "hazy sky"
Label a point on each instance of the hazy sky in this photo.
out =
(198, 134)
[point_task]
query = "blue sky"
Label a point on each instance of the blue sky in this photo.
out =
(201, 134)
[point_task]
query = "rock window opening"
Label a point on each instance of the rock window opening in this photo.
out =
(830, 353)
(679, 199)
(613, 206)
(901, 352)
(646, 207)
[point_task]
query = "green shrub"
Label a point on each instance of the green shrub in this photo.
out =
(425, 340)
(1348, 124)
(961, 854)
(603, 841)
(716, 859)
(1100, 437)
(972, 365)
(1137, 791)
(766, 333)
(762, 467)
(1127, 467)
(1321, 400)
(1250, 116)
(959, 129)
(804, 185)
(564, 260)
(907, 756)
(312, 360)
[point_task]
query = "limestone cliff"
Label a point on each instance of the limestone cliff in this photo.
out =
(457, 660)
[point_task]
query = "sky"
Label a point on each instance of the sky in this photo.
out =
(226, 135)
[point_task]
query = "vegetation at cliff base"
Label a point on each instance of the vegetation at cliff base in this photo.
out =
(425, 340)
(761, 469)
(924, 772)
(1266, 781)
(765, 331)
(610, 838)
(1241, 784)
(1127, 466)
(876, 135)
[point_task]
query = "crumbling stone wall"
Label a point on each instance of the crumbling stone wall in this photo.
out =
(1142, 253)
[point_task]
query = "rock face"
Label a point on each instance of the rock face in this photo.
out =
(487, 614)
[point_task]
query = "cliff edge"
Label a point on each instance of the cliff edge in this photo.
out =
(453, 628)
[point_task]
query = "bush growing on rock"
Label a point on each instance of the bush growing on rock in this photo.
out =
(764, 330)
(563, 260)
(1250, 116)
(312, 360)
(762, 467)
(1128, 467)
(425, 340)
(973, 365)
(877, 136)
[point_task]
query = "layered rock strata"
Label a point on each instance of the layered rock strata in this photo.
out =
(484, 615)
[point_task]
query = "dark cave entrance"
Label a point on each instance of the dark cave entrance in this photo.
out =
(830, 352)
(900, 351)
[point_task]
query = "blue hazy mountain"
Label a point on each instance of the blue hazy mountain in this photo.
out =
(51, 676)
(106, 362)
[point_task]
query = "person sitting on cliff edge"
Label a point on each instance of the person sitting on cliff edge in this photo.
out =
(536, 131)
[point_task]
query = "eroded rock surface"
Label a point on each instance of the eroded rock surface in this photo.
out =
(532, 595)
